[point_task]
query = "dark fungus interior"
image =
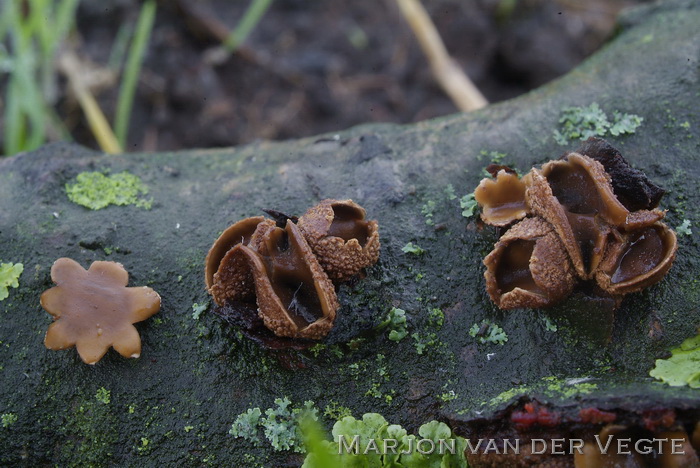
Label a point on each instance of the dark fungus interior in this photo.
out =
(514, 268)
(575, 189)
(588, 235)
(291, 277)
(644, 252)
(348, 223)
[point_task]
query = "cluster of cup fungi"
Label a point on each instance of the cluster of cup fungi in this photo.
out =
(587, 217)
(287, 269)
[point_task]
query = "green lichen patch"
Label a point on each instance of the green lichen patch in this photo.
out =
(488, 332)
(580, 123)
(684, 228)
(280, 425)
(396, 323)
(412, 248)
(96, 190)
(468, 205)
(9, 277)
(683, 367)
(370, 442)
(550, 386)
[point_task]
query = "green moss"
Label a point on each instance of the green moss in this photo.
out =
(551, 386)
(8, 419)
(683, 367)
(567, 388)
(95, 190)
(335, 411)
(9, 277)
(103, 395)
(90, 435)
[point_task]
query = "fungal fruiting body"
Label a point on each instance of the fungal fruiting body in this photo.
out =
(93, 309)
(588, 217)
(340, 236)
(286, 269)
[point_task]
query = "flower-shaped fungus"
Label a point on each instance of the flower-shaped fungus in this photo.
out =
(93, 309)
(341, 238)
(295, 297)
(607, 223)
(528, 267)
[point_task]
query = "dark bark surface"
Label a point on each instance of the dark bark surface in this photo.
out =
(195, 375)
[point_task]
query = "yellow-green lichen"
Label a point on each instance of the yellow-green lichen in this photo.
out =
(550, 386)
(683, 367)
(96, 190)
(9, 277)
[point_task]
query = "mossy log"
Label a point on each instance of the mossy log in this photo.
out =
(175, 404)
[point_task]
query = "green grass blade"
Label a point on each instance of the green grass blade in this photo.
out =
(250, 19)
(13, 120)
(121, 42)
(65, 17)
(132, 70)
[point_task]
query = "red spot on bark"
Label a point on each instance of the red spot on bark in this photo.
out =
(659, 419)
(596, 416)
(534, 415)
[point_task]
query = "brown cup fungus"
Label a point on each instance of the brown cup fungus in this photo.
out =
(276, 268)
(93, 309)
(578, 221)
(502, 198)
(342, 240)
(528, 267)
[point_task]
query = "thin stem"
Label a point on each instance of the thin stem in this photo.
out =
(465, 95)
(250, 19)
(132, 70)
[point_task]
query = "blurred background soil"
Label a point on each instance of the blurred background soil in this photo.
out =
(312, 67)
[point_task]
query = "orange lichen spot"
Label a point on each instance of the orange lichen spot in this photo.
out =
(93, 309)
(342, 239)
(502, 198)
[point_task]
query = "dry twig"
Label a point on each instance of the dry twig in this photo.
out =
(70, 65)
(465, 95)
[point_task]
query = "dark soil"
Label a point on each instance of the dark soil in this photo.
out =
(316, 67)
